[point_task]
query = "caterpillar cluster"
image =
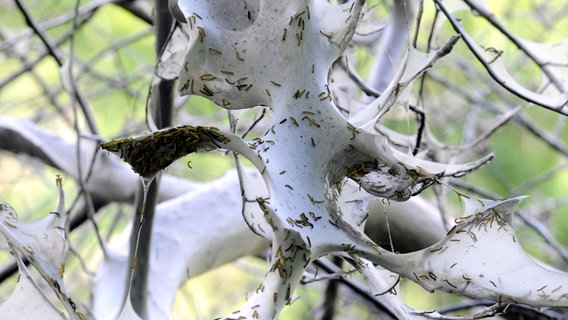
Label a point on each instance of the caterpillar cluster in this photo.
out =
(150, 153)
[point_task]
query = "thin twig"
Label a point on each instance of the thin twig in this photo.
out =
(52, 49)
(419, 13)
(41, 55)
(485, 313)
(520, 118)
(330, 294)
(81, 179)
(495, 23)
(533, 183)
(472, 47)
(542, 230)
(54, 52)
(330, 268)
(161, 106)
(516, 311)
(357, 80)
(421, 118)
(82, 262)
(255, 122)
(85, 13)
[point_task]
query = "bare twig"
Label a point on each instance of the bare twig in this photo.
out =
(499, 26)
(255, 122)
(52, 49)
(44, 87)
(161, 106)
(542, 230)
(485, 313)
(516, 311)
(41, 55)
(330, 268)
(330, 295)
(490, 70)
(542, 178)
(70, 85)
(552, 141)
(357, 80)
(85, 13)
(54, 52)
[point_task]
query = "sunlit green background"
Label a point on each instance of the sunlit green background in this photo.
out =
(118, 49)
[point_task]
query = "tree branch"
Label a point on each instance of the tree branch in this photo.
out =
(557, 105)
(161, 105)
(54, 52)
